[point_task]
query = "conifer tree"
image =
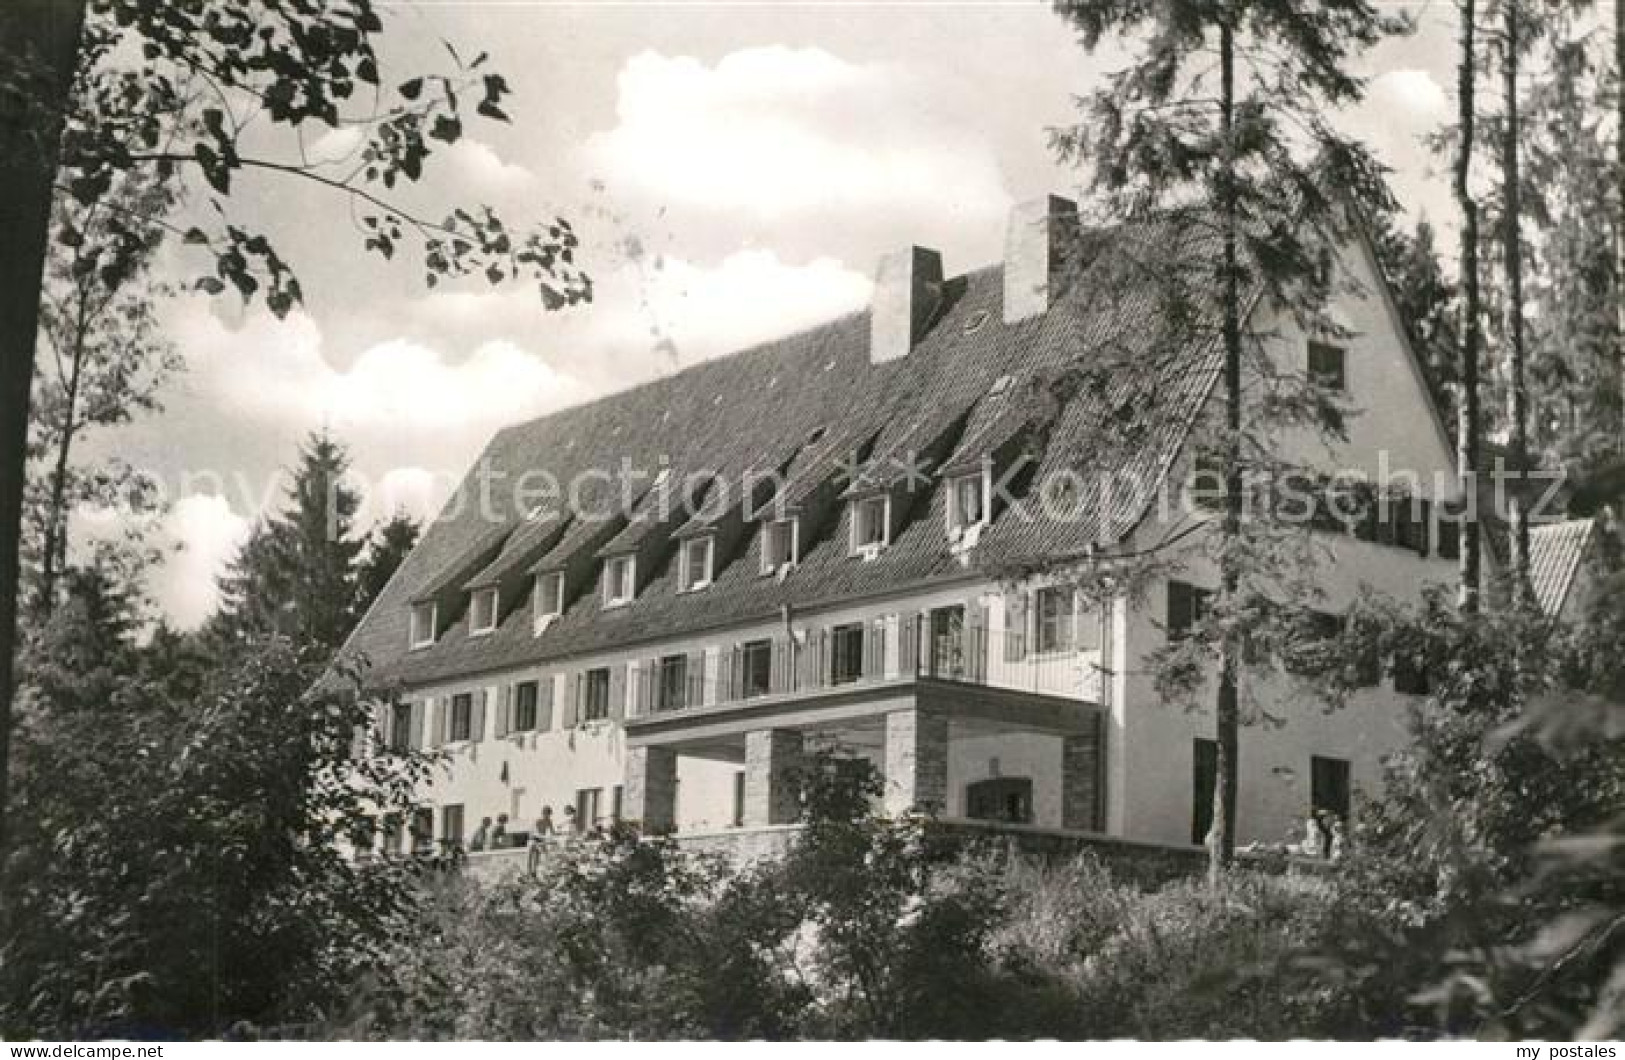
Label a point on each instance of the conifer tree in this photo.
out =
(1219, 127)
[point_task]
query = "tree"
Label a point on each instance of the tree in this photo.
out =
(387, 549)
(178, 865)
(297, 574)
(76, 115)
(1255, 154)
(106, 364)
(1467, 409)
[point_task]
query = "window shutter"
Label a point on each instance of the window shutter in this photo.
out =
(778, 674)
(874, 649)
(976, 643)
(696, 680)
(433, 736)
(1179, 609)
(617, 693)
(505, 712)
(415, 735)
(908, 643)
(826, 663)
(572, 701)
(380, 724)
(476, 729)
(730, 674)
(544, 703)
(1016, 608)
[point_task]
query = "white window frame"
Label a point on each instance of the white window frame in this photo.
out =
(477, 625)
(612, 564)
(708, 543)
(417, 636)
(543, 607)
(860, 547)
(957, 523)
(793, 528)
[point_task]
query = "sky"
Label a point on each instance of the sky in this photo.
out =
(735, 171)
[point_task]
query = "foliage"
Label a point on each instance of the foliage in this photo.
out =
(178, 862)
(386, 550)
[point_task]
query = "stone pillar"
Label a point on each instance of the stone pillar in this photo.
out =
(771, 795)
(1081, 773)
(916, 762)
(650, 796)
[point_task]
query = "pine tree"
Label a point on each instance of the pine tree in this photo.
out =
(296, 576)
(387, 549)
(1250, 175)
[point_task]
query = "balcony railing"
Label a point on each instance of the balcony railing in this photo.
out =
(893, 649)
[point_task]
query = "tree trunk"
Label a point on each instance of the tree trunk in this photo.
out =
(1467, 407)
(1222, 839)
(1619, 222)
(1512, 251)
(54, 552)
(49, 31)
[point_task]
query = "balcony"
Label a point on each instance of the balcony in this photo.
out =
(933, 702)
(836, 662)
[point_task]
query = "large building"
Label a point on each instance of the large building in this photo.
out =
(650, 607)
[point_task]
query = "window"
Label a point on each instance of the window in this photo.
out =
(1327, 369)
(483, 611)
(671, 693)
(1055, 623)
(595, 694)
(451, 826)
(947, 642)
(618, 583)
(425, 617)
(1410, 677)
(1329, 787)
(696, 563)
(400, 727)
(1208, 482)
(549, 594)
(755, 668)
(870, 531)
(524, 706)
(779, 546)
(1449, 537)
(1312, 642)
(588, 805)
(965, 503)
(616, 798)
(1410, 518)
(1204, 775)
(1007, 799)
(846, 654)
(1187, 605)
(422, 830)
(461, 726)
(739, 799)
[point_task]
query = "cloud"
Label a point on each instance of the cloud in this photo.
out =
(1413, 94)
(778, 132)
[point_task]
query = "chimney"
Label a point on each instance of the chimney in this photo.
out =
(1035, 253)
(908, 291)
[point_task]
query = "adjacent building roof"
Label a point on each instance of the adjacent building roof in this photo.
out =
(817, 395)
(1557, 552)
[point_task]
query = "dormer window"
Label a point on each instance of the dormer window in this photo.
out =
(549, 600)
(967, 503)
(871, 525)
(696, 561)
(619, 587)
(780, 545)
(482, 611)
(425, 622)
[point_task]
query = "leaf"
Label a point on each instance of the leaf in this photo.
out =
(447, 128)
(195, 237)
(412, 89)
(210, 285)
(367, 70)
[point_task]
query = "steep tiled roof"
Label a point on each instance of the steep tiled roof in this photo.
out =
(1556, 553)
(776, 398)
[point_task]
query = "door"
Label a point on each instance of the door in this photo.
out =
(1005, 799)
(947, 657)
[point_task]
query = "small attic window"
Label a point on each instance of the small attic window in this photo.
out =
(549, 600)
(780, 542)
(620, 583)
(871, 525)
(697, 558)
(425, 619)
(482, 611)
(974, 322)
(967, 502)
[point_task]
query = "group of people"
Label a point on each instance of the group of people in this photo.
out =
(496, 836)
(1323, 837)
